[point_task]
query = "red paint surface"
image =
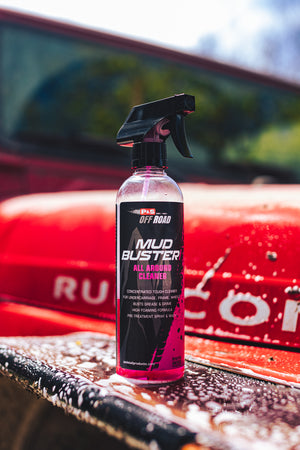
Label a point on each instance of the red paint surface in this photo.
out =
(25, 320)
(271, 364)
(251, 232)
(25, 174)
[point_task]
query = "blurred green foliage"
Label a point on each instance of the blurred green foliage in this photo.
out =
(279, 144)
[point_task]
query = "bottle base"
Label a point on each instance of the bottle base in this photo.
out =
(151, 377)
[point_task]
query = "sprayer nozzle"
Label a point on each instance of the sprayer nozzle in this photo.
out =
(155, 121)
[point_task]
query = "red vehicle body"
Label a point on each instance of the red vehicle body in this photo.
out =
(241, 280)
(57, 249)
(245, 286)
(57, 263)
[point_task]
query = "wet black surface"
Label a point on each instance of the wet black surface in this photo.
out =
(211, 407)
(217, 391)
(31, 423)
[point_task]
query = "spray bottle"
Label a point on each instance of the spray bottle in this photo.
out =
(150, 290)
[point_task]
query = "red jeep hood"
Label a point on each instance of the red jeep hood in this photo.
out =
(242, 246)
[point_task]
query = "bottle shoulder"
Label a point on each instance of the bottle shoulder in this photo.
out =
(148, 187)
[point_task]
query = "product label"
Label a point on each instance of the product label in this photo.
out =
(151, 303)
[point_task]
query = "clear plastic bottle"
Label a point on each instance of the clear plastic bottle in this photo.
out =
(148, 185)
(150, 287)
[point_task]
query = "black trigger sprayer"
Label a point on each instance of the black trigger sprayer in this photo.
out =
(152, 123)
(150, 289)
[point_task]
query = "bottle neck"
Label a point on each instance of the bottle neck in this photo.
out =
(149, 170)
(149, 154)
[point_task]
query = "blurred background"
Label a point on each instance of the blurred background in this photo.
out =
(262, 35)
(68, 83)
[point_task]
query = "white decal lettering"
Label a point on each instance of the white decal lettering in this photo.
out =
(102, 292)
(262, 309)
(65, 286)
(290, 315)
(194, 315)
